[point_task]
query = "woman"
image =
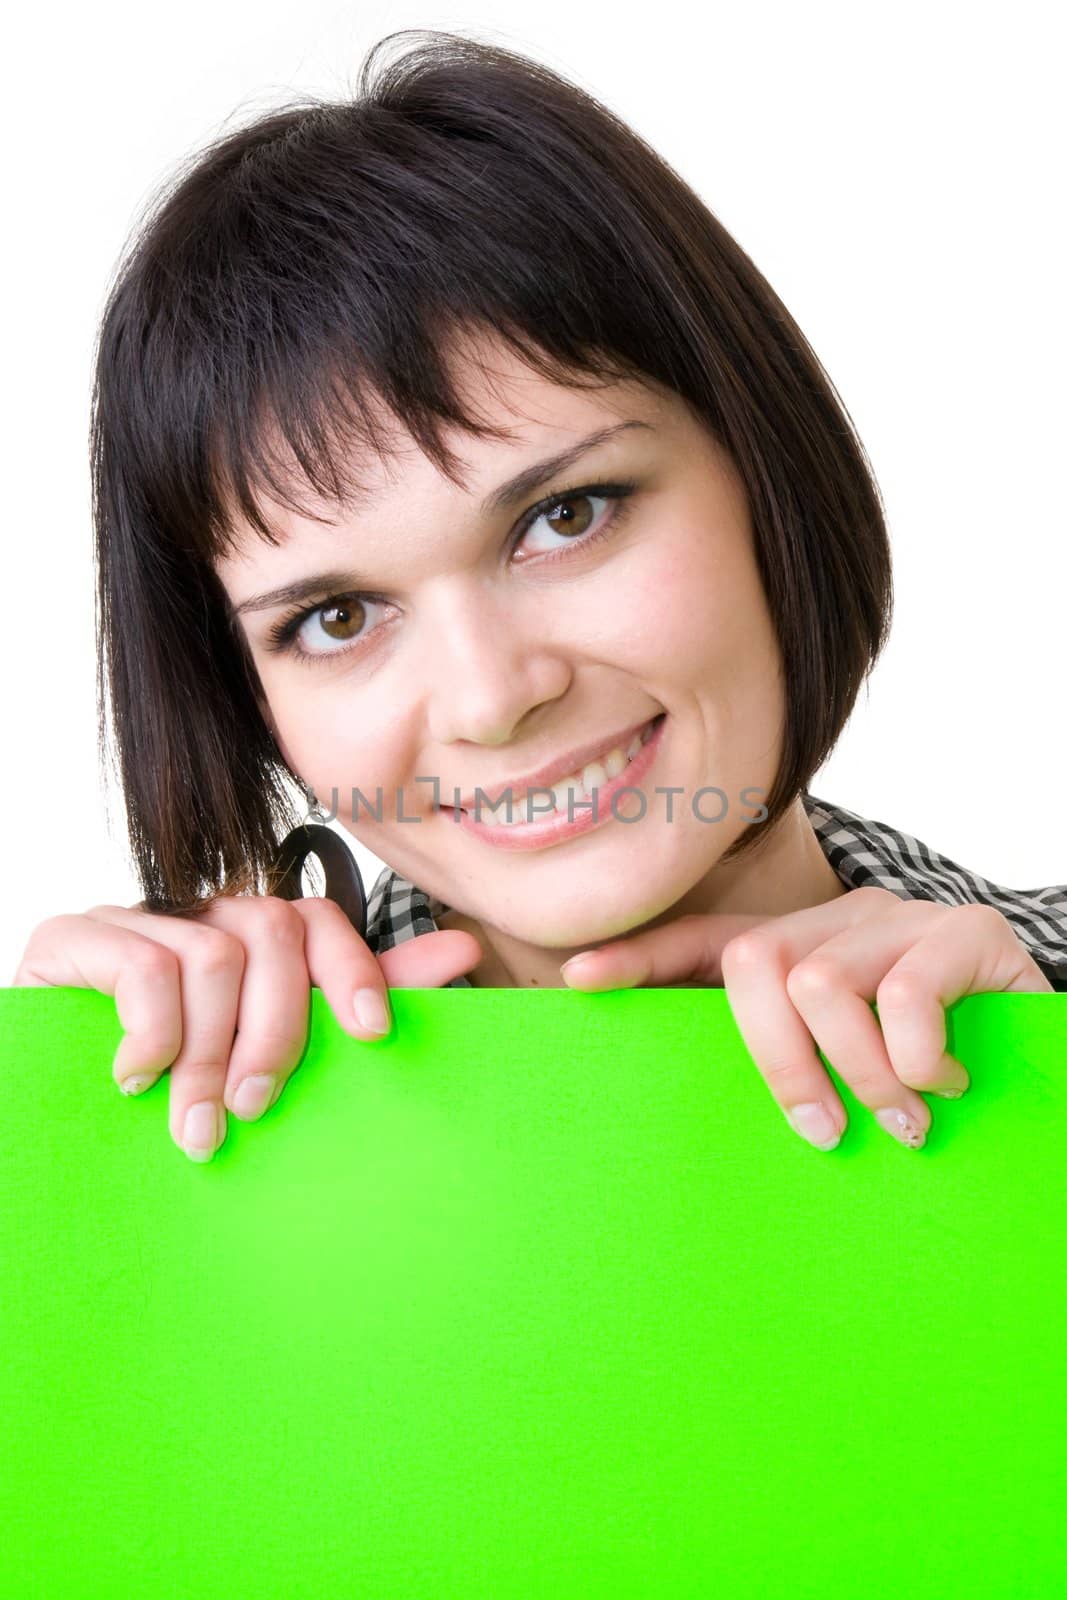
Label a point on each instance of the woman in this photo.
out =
(446, 447)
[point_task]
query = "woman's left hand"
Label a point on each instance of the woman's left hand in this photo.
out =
(804, 982)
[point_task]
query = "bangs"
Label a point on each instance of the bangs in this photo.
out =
(302, 294)
(303, 441)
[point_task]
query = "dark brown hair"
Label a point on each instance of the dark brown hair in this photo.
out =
(302, 270)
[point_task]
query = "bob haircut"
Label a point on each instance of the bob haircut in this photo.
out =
(320, 262)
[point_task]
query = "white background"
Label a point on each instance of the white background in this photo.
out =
(895, 171)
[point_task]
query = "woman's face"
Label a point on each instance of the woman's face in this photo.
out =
(489, 651)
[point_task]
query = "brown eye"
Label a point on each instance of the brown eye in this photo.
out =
(342, 619)
(563, 513)
(580, 519)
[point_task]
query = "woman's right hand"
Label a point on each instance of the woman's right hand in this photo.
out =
(222, 997)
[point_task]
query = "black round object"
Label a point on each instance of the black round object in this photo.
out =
(344, 882)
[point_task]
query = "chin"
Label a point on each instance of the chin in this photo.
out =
(579, 935)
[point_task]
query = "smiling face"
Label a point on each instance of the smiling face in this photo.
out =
(476, 644)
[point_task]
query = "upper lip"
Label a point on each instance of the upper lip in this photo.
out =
(543, 777)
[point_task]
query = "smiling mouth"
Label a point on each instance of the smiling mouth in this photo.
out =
(512, 817)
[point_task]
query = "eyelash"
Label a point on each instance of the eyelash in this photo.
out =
(282, 637)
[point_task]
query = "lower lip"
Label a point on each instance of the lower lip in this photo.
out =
(553, 830)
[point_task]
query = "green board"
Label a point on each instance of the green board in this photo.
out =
(540, 1296)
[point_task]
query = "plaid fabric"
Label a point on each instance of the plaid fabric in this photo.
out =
(859, 850)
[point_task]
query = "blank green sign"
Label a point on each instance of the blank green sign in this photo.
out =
(541, 1296)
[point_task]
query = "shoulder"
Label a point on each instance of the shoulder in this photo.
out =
(398, 910)
(864, 851)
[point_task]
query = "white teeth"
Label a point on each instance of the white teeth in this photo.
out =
(561, 793)
(579, 785)
(594, 776)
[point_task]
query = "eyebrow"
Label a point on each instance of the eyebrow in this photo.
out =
(504, 495)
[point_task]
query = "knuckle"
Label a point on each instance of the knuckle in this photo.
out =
(779, 1071)
(198, 1077)
(902, 987)
(151, 962)
(815, 976)
(279, 920)
(217, 954)
(749, 949)
(873, 894)
(26, 975)
(331, 923)
(278, 1045)
(45, 931)
(45, 939)
(315, 905)
(320, 908)
(983, 917)
(868, 1085)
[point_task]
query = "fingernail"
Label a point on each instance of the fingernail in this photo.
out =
(948, 1094)
(902, 1127)
(573, 962)
(370, 1011)
(136, 1085)
(813, 1122)
(254, 1095)
(201, 1135)
(577, 967)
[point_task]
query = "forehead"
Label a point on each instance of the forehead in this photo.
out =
(531, 414)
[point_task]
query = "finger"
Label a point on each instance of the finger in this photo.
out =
(343, 966)
(973, 949)
(354, 980)
(274, 999)
(311, 941)
(913, 962)
(831, 988)
(687, 948)
(757, 966)
(691, 947)
(211, 969)
(143, 977)
(431, 960)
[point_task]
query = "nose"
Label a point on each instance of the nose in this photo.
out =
(488, 662)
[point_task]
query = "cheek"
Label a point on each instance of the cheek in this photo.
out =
(693, 609)
(643, 612)
(335, 749)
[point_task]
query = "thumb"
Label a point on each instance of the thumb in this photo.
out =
(430, 960)
(687, 949)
